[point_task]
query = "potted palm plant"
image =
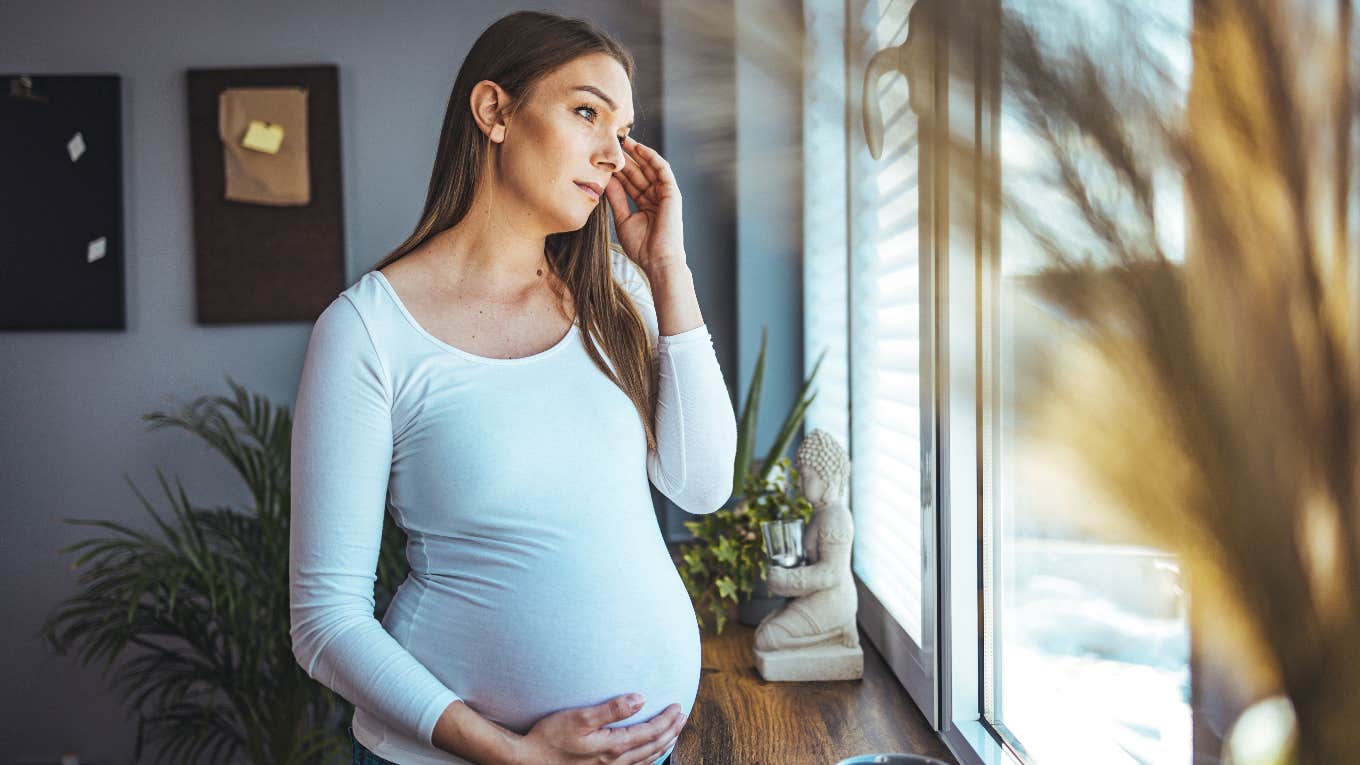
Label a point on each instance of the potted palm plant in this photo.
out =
(724, 567)
(202, 599)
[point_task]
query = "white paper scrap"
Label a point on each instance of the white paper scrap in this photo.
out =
(76, 146)
(96, 250)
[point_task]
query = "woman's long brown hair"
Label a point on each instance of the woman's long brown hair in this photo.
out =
(516, 52)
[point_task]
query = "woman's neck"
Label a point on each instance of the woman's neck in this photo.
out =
(489, 261)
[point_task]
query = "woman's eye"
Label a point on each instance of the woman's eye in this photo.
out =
(589, 109)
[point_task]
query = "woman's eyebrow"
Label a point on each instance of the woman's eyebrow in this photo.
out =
(592, 89)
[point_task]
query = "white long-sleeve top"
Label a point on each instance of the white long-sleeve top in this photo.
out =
(539, 580)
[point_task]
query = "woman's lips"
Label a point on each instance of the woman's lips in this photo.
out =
(593, 194)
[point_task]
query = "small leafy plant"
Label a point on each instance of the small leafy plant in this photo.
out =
(726, 559)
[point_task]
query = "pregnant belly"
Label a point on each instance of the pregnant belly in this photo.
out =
(516, 650)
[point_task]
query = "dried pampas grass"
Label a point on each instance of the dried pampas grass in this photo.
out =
(1215, 400)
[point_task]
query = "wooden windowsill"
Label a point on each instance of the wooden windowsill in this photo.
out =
(741, 719)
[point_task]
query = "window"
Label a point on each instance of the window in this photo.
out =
(885, 341)
(1085, 636)
(867, 291)
(1022, 630)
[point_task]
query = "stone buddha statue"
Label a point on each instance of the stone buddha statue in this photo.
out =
(814, 636)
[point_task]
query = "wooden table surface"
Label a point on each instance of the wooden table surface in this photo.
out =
(740, 719)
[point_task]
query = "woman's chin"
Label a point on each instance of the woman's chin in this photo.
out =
(575, 223)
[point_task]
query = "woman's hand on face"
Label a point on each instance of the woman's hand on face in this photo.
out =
(653, 236)
(578, 736)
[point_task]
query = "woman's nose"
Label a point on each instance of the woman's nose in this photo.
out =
(615, 156)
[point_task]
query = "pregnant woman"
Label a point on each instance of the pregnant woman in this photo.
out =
(506, 383)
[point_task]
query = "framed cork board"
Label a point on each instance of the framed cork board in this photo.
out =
(61, 202)
(264, 149)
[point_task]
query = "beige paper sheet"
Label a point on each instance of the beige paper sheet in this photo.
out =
(251, 176)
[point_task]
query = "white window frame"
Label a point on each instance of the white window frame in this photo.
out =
(968, 94)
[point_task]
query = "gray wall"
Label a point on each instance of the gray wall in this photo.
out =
(69, 414)
(698, 60)
(733, 84)
(769, 77)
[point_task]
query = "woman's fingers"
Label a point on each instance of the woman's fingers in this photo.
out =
(636, 737)
(652, 749)
(662, 750)
(630, 186)
(632, 172)
(654, 165)
(641, 161)
(618, 203)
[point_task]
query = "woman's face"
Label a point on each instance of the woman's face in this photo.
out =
(565, 136)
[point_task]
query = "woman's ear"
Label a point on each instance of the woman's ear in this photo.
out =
(488, 102)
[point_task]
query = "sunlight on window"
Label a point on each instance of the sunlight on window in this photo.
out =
(1090, 641)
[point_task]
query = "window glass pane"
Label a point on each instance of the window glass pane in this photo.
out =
(1089, 644)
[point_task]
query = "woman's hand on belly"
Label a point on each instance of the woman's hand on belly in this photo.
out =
(578, 736)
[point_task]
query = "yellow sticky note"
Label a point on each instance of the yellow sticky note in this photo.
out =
(263, 136)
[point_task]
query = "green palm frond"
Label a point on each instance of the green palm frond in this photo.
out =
(791, 421)
(750, 419)
(319, 745)
(750, 415)
(258, 448)
(193, 733)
